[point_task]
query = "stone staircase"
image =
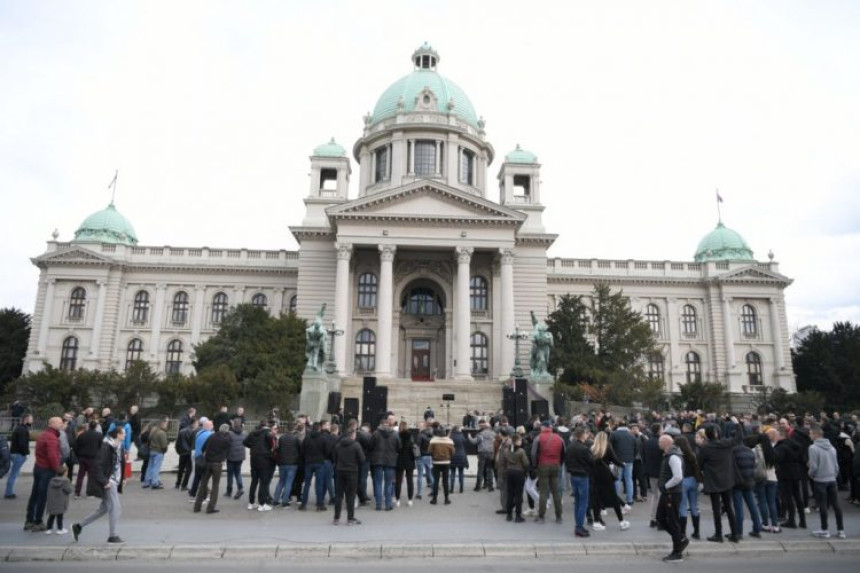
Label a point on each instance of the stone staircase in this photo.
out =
(410, 399)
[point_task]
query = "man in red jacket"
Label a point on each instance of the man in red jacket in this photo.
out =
(547, 455)
(48, 463)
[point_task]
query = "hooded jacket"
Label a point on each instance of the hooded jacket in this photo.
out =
(59, 490)
(19, 443)
(718, 465)
(823, 466)
(348, 455)
(788, 460)
(88, 444)
(314, 449)
(624, 443)
(386, 447)
(424, 437)
(745, 461)
(288, 451)
(578, 459)
(237, 448)
(484, 439)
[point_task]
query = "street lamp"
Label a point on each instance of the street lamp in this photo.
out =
(516, 336)
(333, 332)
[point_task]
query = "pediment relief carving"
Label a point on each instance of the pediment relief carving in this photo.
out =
(72, 256)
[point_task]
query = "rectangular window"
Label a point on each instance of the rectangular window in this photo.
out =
(381, 171)
(425, 157)
(467, 167)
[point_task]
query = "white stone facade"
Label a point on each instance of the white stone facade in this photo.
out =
(425, 275)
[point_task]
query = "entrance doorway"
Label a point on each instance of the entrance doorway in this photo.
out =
(421, 370)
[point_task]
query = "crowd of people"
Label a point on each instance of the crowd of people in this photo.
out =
(775, 470)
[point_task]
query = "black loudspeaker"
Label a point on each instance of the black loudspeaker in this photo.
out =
(521, 386)
(350, 409)
(559, 405)
(509, 405)
(369, 383)
(521, 401)
(448, 397)
(540, 408)
(380, 405)
(333, 402)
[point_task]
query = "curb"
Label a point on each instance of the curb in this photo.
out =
(395, 551)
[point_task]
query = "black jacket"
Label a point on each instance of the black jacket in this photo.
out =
(19, 443)
(216, 448)
(745, 462)
(105, 465)
(652, 457)
(260, 443)
(406, 456)
(788, 460)
(716, 458)
(185, 441)
(315, 449)
(578, 459)
(386, 447)
(288, 451)
(88, 444)
(348, 455)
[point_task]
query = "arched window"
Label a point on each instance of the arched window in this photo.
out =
(480, 353)
(478, 293)
(180, 308)
(294, 301)
(174, 357)
(694, 367)
(652, 317)
(133, 352)
(219, 307)
(422, 301)
(77, 303)
(140, 310)
(260, 300)
(367, 290)
(655, 366)
(753, 361)
(69, 355)
(689, 323)
(749, 322)
(365, 351)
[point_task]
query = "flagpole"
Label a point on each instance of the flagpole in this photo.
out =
(719, 213)
(112, 186)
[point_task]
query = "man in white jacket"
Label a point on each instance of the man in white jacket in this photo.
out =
(823, 469)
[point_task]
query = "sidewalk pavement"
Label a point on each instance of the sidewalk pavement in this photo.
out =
(161, 525)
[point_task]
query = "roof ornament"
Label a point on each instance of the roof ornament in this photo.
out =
(401, 103)
(770, 255)
(451, 104)
(56, 234)
(368, 118)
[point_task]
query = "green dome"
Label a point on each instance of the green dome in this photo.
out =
(449, 97)
(106, 226)
(723, 244)
(330, 149)
(520, 155)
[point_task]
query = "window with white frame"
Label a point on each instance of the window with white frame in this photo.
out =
(365, 351)
(69, 354)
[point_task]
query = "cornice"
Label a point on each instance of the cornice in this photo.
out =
(536, 239)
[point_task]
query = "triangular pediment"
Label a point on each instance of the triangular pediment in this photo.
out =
(71, 256)
(753, 274)
(423, 201)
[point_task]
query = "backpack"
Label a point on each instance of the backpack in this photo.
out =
(760, 473)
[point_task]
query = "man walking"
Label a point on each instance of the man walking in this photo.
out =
(105, 483)
(823, 470)
(669, 486)
(19, 448)
(48, 462)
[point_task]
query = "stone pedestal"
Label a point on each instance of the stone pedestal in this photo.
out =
(316, 386)
(542, 386)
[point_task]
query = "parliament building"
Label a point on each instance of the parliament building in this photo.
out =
(424, 273)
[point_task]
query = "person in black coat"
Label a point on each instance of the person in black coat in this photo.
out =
(460, 461)
(788, 460)
(405, 465)
(579, 462)
(716, 459)
(215, 451)
(19, 450)
(348, 458)
(261, 443)
(87, 448)
(106, 484)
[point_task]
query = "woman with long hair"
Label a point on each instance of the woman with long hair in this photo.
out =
(604, 482)
(690, 486)
(405, 465)
(766, 489)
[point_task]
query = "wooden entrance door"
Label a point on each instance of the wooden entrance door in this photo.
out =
(421, 359)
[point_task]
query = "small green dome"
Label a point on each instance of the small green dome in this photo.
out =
(330, 149)
(402, 94)
(106, 226)
(520, 155)
(723, 244)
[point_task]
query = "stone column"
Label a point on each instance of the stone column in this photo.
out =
(778, 360)
(384, 311)
(99, 318)
(673, 332)
(157, 314)
(462, 315)
(197, 318)
(727, 333)
(341, 302)
(277, 303)
(47, 311)
(507, 276)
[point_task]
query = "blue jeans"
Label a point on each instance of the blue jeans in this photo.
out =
(741, 495)
(765, 491)
(689, 497)
(425, 466)
(383, 485)
(312, 470)
(627, 476)
(39, 494)
(234, 470)
(579, 487)
(17, 461)
(328, 467)
(286, 475)
(362, 481)
(154, 469)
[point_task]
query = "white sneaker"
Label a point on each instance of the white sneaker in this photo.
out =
(822, 533)
(624, 525)
(625, 509)
(252, 506)
(598, 526)
(49, 531)
(62, 532)
(265, 507)
(604, 512)
(806, 510)
(205, 501)
(409, 503)
(397, 503)
(840, 534)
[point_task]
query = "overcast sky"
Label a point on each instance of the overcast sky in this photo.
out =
(636, 110)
